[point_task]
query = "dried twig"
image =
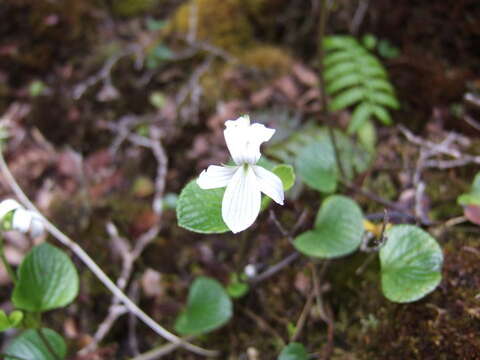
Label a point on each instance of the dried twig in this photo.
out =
(324, 311)
(303, 317)
(160, 352)
(130, 255)
(105, 72)
(263, 324)
(134, 294)
(442, 148)
(427, 159)
(272, 270)
(359, 16)
(194, 90)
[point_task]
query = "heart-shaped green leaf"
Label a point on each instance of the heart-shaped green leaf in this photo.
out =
(47, 279)
(411, 262)
(200, 210)
(293, 351)
(29, 345)
(317, 167)
(208, 308)
(338, 229)
(10, 321)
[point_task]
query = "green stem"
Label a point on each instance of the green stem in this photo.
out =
(5, 262)
(47, 343)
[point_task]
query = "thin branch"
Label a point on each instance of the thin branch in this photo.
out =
(359, 16)
(272, 270)
(132, 320)
(159, 352)
(303, 317)
(262, 324)
(99, 273)
(471, 121)
(105, 72)
(324, 312)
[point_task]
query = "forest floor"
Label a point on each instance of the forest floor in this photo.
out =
(94, 92)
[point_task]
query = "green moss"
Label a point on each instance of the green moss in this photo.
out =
(222, 23)
(269, 59)
(134, 7)
(222, 81)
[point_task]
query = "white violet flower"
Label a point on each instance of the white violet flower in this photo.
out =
(245, 181)
(23, 220)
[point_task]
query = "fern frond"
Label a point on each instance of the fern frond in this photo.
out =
(355, 77)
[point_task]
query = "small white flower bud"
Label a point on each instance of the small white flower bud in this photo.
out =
(250, 270)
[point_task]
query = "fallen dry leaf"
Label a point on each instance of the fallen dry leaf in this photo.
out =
(306, 76)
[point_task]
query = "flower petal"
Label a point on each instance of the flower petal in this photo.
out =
(241, 201)
(8, 205)
(270, 184)
(244, 140)
(215, 177)
(21, 220)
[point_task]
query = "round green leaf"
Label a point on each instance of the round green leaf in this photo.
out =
(293, 351)
(316, 166)
(30, 346)
(47, 279)
(338, 229)
(208, 308)
(200, 210)
(411, 262)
